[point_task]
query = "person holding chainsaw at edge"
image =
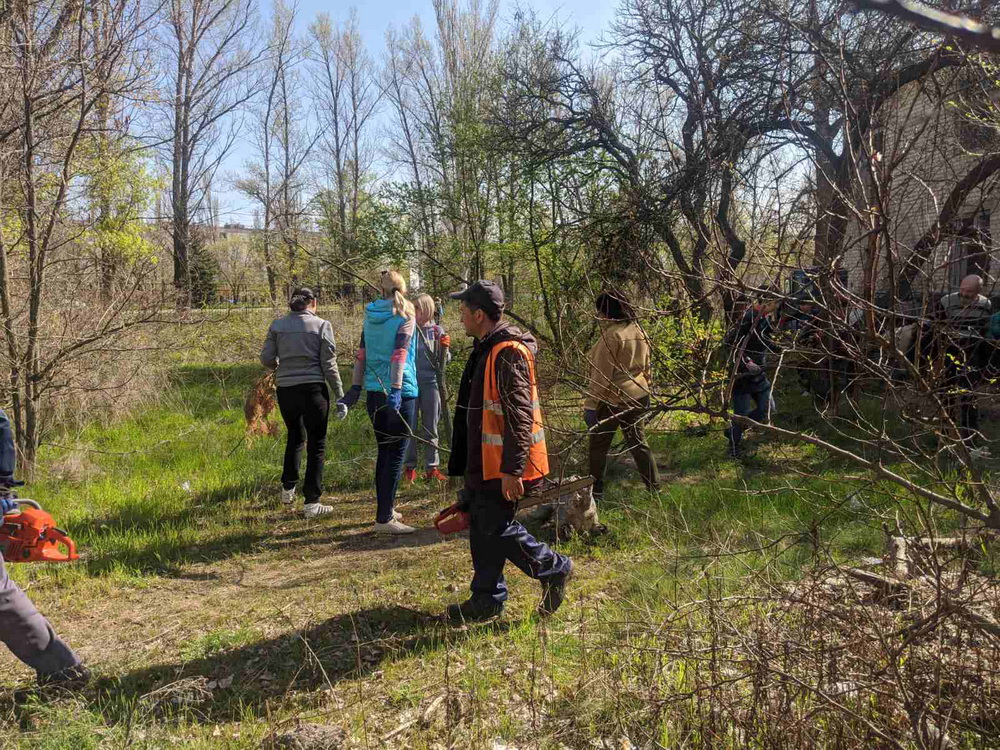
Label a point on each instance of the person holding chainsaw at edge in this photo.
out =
(27, 634)
(498, 447)
(386, 366)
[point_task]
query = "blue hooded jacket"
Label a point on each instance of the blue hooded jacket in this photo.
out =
(381, 339)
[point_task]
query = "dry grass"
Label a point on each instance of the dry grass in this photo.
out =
(259, 405)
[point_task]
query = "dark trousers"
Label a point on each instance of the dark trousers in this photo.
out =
(27, 634)
(392, 433)
(305, 409)
(610, 419)
(495, 537)
(7, 455)
(962, 400)
(744, 404)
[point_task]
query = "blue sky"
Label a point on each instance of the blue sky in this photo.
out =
(591, 17)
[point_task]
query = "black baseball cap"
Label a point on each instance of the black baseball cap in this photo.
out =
(483, 295)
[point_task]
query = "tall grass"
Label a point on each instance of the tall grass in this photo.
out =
(247, 619)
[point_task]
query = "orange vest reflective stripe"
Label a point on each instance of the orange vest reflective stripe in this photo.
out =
(538, 457)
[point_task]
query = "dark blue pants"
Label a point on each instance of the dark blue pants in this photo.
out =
(495, 537)
(743, 405)
(7, 455)
(392, 433)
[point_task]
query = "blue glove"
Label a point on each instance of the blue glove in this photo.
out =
(590, 417)
(350, 398)
(8, 504)
(395, 399)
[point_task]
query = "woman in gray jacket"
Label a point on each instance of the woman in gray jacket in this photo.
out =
(302, 348)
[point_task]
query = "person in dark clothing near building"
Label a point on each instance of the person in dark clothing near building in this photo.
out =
(27, 634)
(749, 344)
(965, 316)
(618, 391)
(302, 349)
(498, 447)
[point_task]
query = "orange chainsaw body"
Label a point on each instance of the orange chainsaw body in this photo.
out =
(451, 520)
(31, 535)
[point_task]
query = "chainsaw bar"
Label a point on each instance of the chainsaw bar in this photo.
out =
(554, 493)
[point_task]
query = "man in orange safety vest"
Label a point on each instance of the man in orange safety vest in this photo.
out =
(498, 447)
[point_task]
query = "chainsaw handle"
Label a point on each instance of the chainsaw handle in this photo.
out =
(29, 503)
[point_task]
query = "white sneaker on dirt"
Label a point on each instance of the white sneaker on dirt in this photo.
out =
(288, 496)
(314, 510)
(397, 516)
(393, 527)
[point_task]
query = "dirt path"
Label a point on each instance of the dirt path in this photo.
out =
(309, 571)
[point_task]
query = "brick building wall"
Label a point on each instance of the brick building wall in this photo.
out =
(928, 145)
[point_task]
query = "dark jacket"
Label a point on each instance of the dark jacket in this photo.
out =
(751, 339)
(515, 398)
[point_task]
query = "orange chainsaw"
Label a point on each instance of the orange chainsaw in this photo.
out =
(455, 517)
(30, 535)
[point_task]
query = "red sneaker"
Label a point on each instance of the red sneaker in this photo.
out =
(435, 474)
(410, 475)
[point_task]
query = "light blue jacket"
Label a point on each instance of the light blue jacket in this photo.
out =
(389, 343)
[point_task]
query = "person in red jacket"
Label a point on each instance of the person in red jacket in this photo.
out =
(498, 447)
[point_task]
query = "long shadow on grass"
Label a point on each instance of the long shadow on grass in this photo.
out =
(216, 525)
(345, 647)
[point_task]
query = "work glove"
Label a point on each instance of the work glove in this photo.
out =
(590, 418)
(445, 340)
(395, 399)
(341, 410)
(349, 399)
(8, 504)
(752, 367)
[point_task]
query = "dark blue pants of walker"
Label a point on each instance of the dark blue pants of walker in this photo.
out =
(496, 538)
(744, 403)
(27, 634)
(392, 433)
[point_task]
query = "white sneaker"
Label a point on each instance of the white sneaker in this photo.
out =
(314, 510)
(397, 516)
(393, 527)
(288, 496)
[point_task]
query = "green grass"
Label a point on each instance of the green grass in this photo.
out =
(213, 616)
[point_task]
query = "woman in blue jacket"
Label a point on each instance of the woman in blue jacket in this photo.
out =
(386, 367)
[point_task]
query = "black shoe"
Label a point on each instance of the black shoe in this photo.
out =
(71, 678)
(553, 593)
(474, 610)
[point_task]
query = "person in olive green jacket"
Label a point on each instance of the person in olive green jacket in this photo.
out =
(618, 391)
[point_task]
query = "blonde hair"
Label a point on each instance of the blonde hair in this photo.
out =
(394, 288)
(424, 304)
